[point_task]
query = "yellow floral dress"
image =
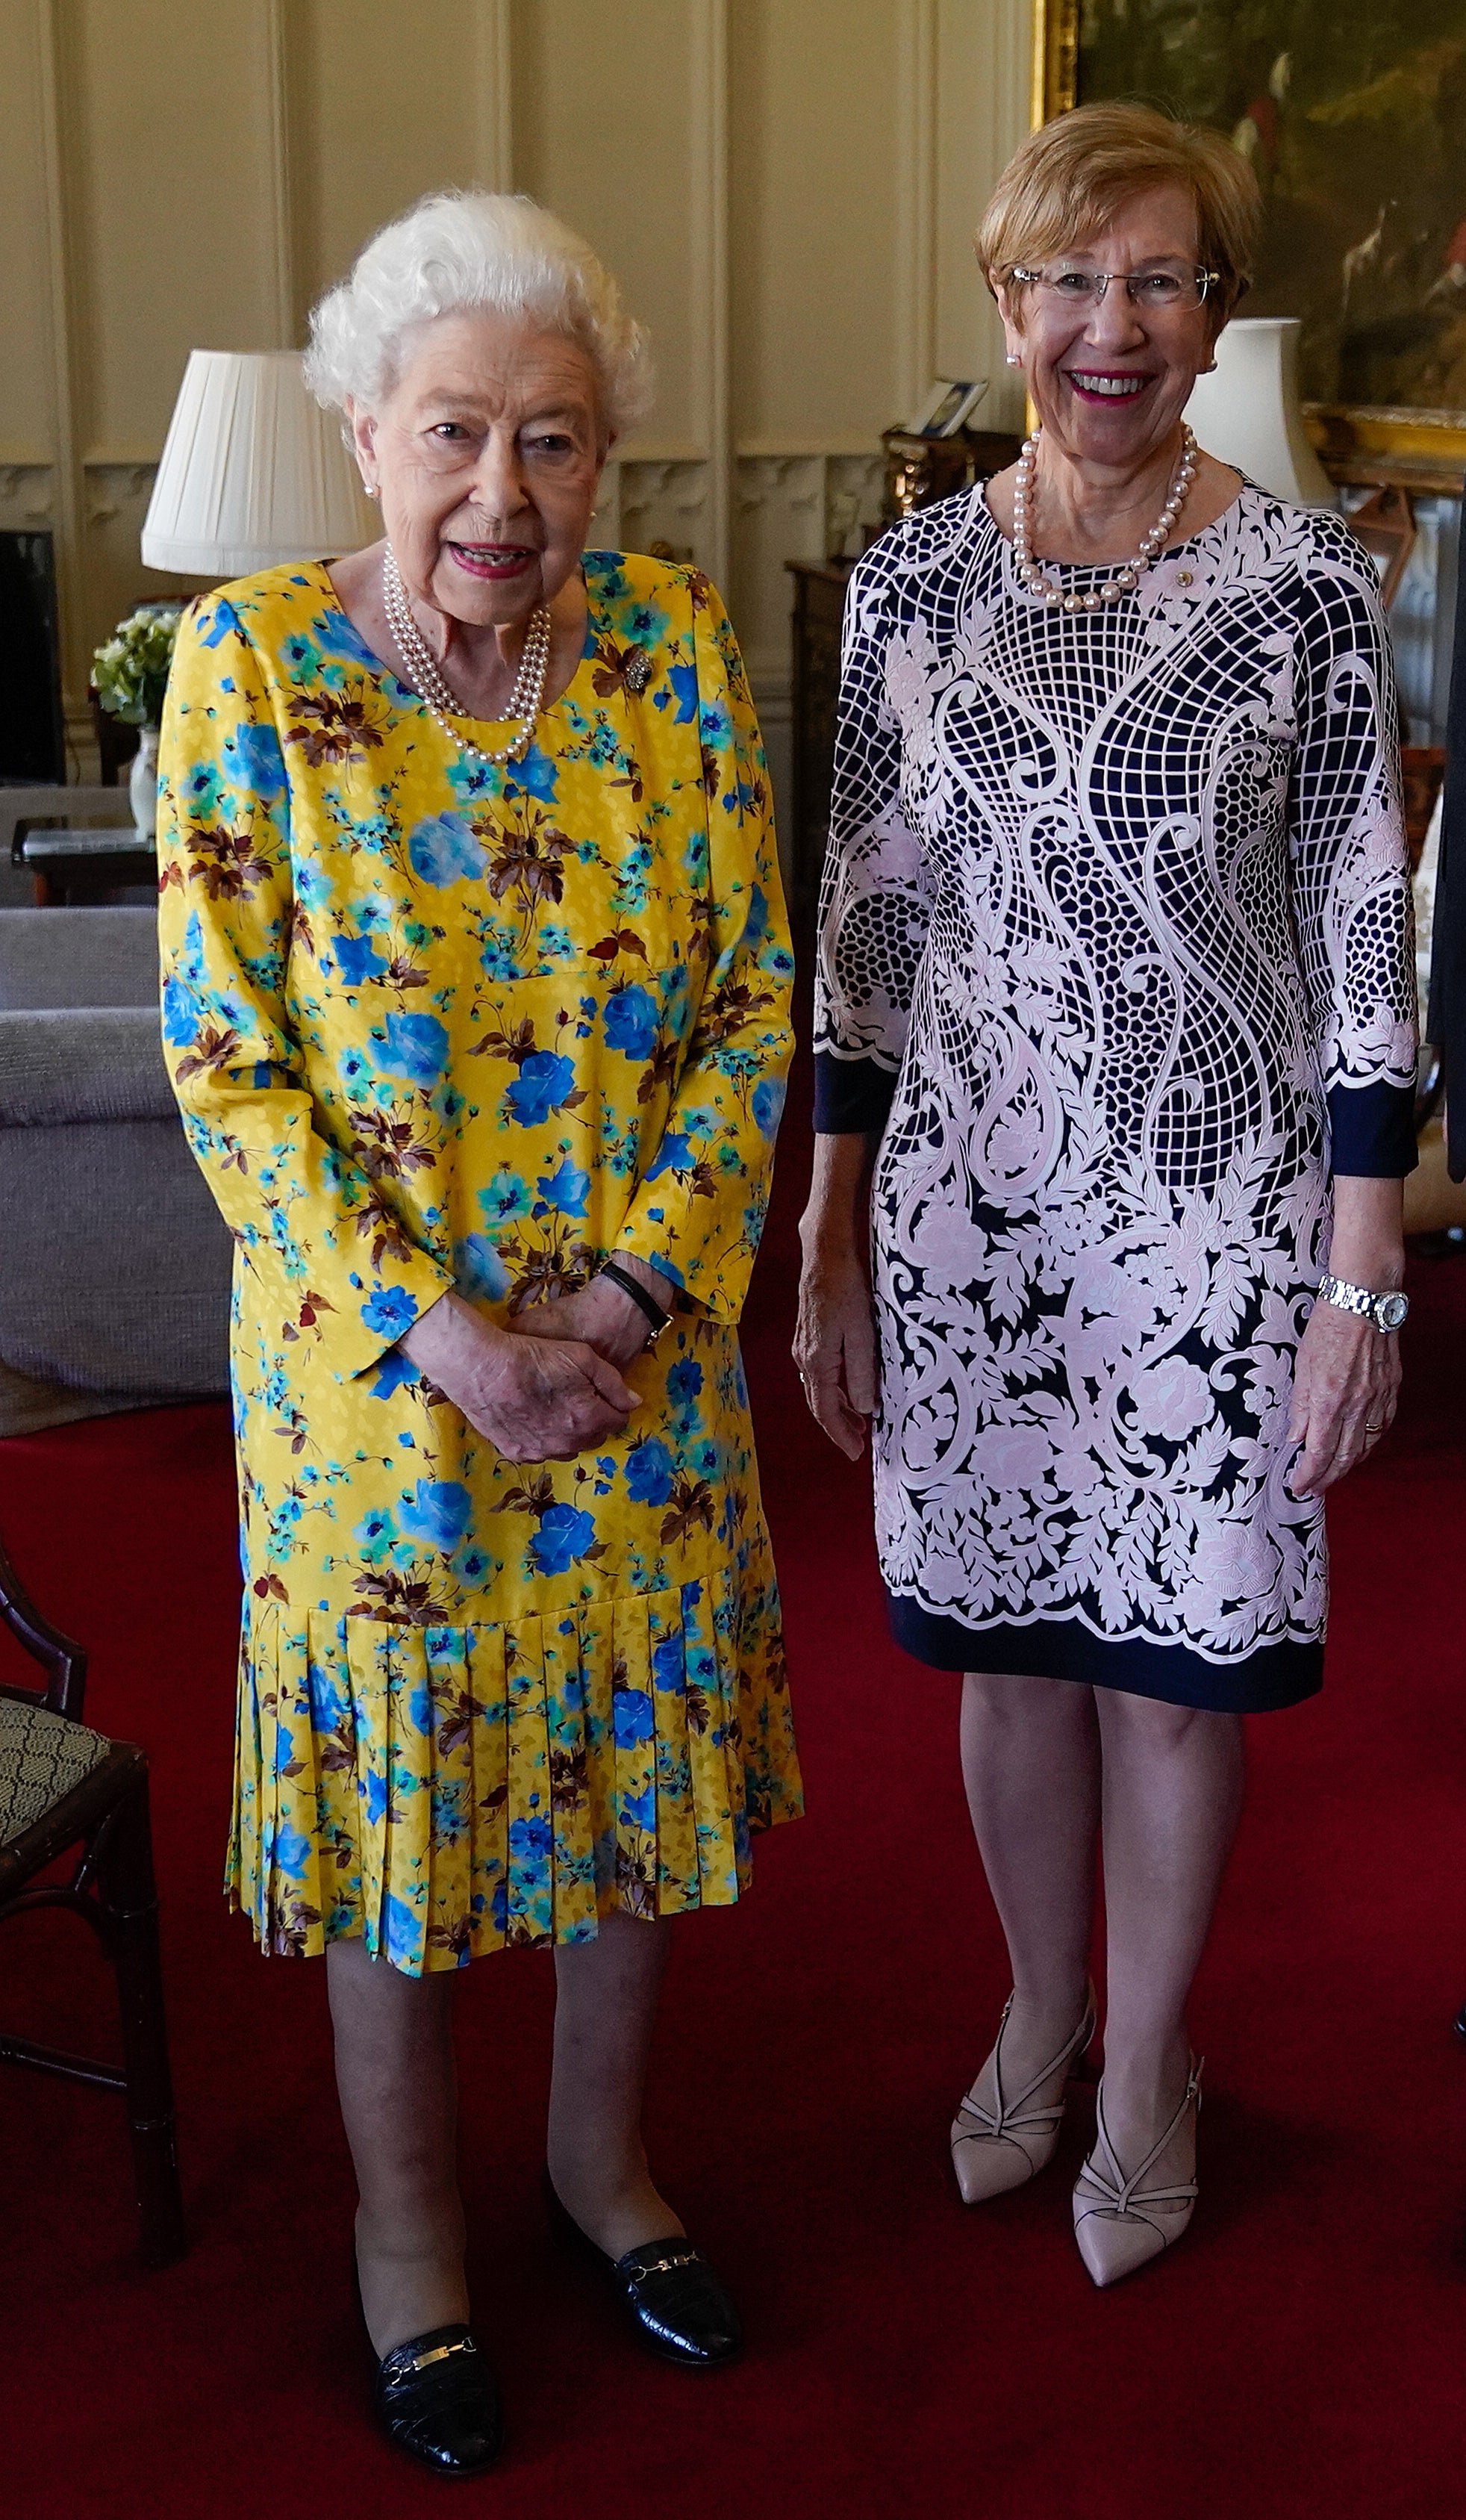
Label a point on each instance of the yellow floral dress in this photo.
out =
(433, 1025)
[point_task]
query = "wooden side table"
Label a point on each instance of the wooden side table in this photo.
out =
(75, 869)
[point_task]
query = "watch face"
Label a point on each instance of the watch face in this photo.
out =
(1392, 1311)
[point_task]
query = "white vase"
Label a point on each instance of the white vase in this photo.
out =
(142, 781)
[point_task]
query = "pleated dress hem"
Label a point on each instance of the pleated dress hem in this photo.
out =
(449, 1791)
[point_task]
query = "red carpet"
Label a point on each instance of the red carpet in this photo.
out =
(1302, 2354)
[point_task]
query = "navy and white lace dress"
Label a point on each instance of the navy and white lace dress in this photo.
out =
(1116, 956)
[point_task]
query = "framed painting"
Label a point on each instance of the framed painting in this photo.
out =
(1354, 115)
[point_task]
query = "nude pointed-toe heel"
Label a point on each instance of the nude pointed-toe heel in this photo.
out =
(998, 2149)
(1119, 2224)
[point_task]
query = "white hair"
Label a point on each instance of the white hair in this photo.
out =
(458, 250)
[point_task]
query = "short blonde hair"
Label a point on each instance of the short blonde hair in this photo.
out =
(459, 251)
(1072, 175)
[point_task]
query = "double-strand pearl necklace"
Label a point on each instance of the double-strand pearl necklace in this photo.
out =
(526, 700)
(1125, 580)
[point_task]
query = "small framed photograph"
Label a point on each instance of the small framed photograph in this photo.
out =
(947, 406)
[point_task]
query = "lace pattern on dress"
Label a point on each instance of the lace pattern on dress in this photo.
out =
(1122, 897)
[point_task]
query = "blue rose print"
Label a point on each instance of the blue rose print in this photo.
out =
(535, 776)
(530, 1841)
(182, 1011)
(357, 958)
(291, 1852)
(631, 1020)
(564, 1534)
(394, 1371)
(715, 726)
(254, 762)
(684, 1381)
(768, 1105)
(438, 1513)
(376, 1533)
(649, 1472)
(683, 682)
(639, 1810)
(404, 1933)
(542, 1085)
(327, 1706)
(417, 1049)
(443, 850)
(566, 1190)
(756, 925)
(668, 1665)
(390, 1312)
(336, 635)
(478, 1273)
(225, 619)
(631, 1710)
(507, 1196)
(673, 1156)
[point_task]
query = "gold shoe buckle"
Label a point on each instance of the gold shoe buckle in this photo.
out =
(440, 2353)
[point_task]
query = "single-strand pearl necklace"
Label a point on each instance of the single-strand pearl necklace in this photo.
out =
(526, 700)
(1125, 580)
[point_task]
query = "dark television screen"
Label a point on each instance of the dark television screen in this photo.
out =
(32, 728)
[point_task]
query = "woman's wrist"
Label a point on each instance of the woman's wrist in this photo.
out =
(1368, 1245)
(449, 1334)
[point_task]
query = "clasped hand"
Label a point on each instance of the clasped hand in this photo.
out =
(546, 1386)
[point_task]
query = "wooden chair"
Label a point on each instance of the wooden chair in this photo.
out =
(63, 1786)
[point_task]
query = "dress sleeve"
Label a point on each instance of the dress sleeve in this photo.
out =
(1352, 873)
(698, 1210)
(876, 893)
(331, 1257)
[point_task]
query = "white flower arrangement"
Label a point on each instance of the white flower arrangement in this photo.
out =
(130, 669)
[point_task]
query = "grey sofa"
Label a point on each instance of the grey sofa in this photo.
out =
(114, 1263)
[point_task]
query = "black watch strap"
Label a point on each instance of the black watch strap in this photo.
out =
(632, 1287)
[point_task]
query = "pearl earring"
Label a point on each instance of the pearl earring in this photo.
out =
(1011, 359)
(371, 490)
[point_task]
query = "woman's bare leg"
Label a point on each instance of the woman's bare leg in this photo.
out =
(1173, 1795)
(605, 2012)
(399, 2104)
(1030, 1765)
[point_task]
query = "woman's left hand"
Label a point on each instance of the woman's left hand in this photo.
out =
(1346, 1389)
(602, 1314)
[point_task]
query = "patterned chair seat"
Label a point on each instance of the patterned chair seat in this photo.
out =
(42, 1756)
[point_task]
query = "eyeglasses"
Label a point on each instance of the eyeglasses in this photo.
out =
(1154, 293)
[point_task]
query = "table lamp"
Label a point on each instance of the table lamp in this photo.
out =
(253, 472)
(1246, 412)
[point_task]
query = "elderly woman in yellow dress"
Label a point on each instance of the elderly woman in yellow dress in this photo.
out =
(476, 999)
(1116, 996)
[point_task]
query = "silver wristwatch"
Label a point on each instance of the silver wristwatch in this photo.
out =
(1386, 1311)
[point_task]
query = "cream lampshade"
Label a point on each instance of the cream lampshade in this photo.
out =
(253, 472)
(1247, 413)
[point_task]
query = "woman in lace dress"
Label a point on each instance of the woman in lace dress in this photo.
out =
(1115, 1019)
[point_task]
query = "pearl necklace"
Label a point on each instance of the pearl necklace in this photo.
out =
(1125, 580)
(526, 700)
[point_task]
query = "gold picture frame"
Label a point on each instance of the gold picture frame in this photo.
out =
(1360, 443)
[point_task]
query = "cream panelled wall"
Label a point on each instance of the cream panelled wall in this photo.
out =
(786, 189)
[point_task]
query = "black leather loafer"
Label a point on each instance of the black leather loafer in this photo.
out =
(676, 2303)
(436, 2398)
